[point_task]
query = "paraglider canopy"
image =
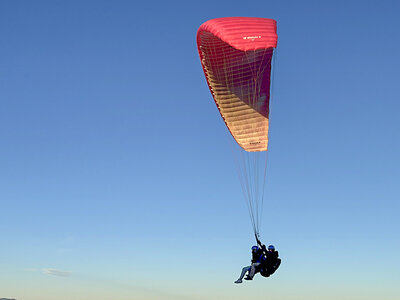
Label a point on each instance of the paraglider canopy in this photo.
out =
(236, 54)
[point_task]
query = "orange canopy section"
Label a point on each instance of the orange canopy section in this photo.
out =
(236, 56)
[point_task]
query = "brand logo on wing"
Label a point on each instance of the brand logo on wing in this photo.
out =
(252, 38)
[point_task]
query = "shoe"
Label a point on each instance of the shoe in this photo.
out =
(248, 278)
(238, 281)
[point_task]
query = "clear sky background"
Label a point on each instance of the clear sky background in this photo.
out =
(116, 176)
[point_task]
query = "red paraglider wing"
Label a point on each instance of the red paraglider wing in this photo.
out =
(236, 56)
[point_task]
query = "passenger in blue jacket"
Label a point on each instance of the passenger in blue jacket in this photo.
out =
(257, 257)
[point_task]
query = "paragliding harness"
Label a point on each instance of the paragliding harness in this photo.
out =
(266, 270)
(269, 264)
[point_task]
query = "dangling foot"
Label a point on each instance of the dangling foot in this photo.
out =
(238, 281)
(248, 278)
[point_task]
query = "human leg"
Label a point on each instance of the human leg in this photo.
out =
(253, 270)
(244, 270)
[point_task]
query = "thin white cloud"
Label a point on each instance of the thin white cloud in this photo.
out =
(55, 272)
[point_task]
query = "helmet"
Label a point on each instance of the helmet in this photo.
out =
(254, 248)
(271, 247)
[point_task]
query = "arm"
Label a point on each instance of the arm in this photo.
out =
(258, 241)
(263, 248)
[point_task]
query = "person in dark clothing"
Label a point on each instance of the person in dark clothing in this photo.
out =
(271, 262)
(257, 257)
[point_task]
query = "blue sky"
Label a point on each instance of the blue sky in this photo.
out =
(116, 178)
